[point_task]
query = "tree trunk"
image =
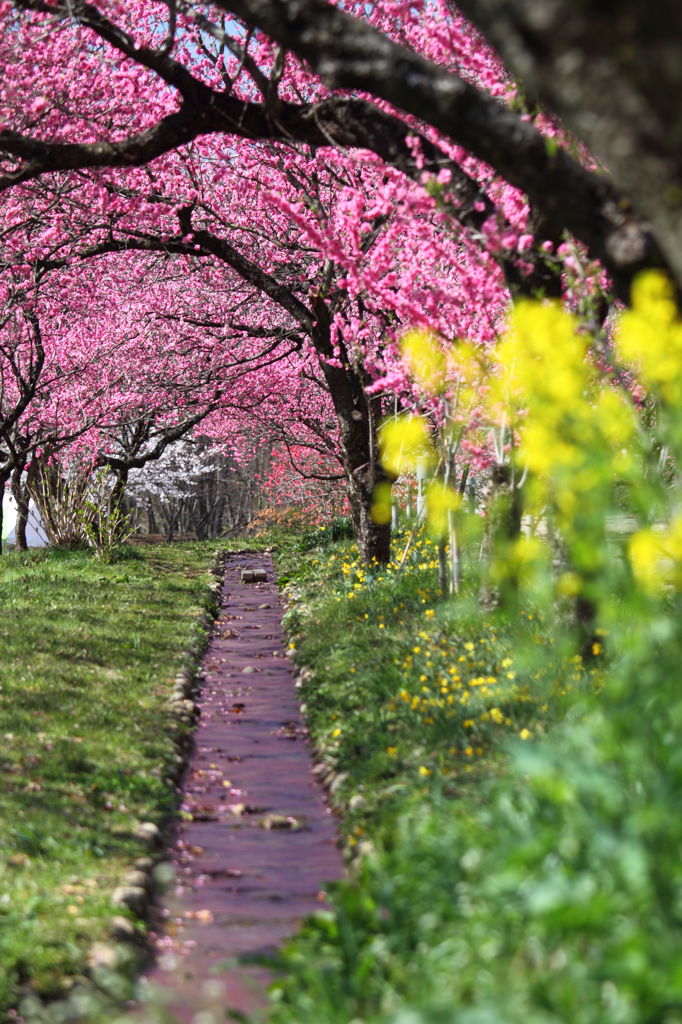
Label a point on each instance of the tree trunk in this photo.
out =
(4, 477)
(442, 568)
(503, 527)
(118, 490)
(151, 518)
(357, 415)
(374, 539)
(21, 497)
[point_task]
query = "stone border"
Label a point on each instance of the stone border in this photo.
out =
(324, 765)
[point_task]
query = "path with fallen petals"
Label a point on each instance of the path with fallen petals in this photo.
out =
(257, 841)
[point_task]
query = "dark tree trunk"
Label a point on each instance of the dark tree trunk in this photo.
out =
(4, 477)
(611, 71)
(118, 490)
(357, 416)
(151, 518)
(22, 499)
(442, 568)
(503, 527)
(374, 539)
(171, 518)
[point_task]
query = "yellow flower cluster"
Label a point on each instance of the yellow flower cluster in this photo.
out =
(541, 360)
(440, 500)
(424, 360)
(576, 434)
(360, 579)
(546, 374)
(454, 693)
(405, 444)
(524, 559)
(649, 336)
(656, 556)
(460, 370)
(462, 692)
(381, 504)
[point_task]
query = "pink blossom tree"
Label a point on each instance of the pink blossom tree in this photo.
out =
(342, 174)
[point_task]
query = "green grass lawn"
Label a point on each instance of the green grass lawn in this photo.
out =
(89, 652)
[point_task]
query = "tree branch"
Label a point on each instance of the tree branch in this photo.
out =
(347, 53)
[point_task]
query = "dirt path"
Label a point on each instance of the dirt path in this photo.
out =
(261, 841)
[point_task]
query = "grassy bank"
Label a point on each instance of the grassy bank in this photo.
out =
(412, 708)
(89, 652)
(404, 689)
(509, 817)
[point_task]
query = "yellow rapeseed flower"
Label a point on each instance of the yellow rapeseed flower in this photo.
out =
(405, 444)
(541, 355)
(568, 584)
(424, 359)
(649, 335)
(441, 499)
(381, 504)
(644, 552)
(653, 296)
